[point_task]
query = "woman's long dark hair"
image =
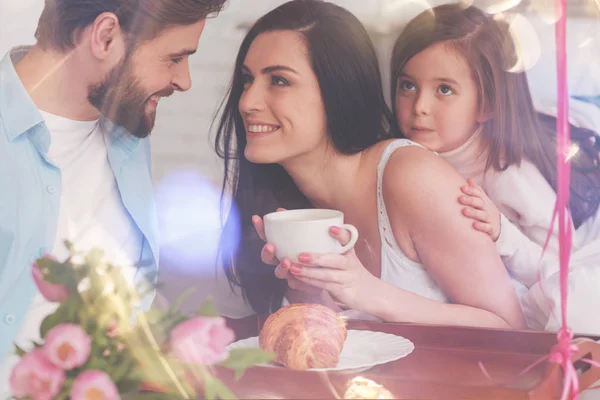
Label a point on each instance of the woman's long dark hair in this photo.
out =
(345, 63)
(516, 130)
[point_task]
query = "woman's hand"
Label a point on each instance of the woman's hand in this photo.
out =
(282, 270)
(342, 275)
(480, 208)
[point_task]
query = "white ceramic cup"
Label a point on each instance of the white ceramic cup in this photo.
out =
(293, 232)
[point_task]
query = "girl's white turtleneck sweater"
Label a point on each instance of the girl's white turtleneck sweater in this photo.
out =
(526, 202)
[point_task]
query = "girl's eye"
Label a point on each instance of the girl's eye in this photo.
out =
(446, 90)
(406, 85)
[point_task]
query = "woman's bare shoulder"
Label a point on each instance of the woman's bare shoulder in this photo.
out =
(413, 167)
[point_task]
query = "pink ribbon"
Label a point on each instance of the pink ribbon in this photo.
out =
(562, 353)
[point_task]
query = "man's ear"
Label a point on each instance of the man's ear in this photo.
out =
(106, 37)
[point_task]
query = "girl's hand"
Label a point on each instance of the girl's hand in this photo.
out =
(480, 208)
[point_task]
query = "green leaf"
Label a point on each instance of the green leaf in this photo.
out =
(65, 390)
(207, 309)
(215, 389)
(240, 359)
(87, 321)
(72, 305)
(69, 246)
(121, 371)
(50, 265)
(64, 395)
(19, 351)
(101, 340)
(52, 320)
(179, 301)
(97, 362)
(65, 313)
(151, 396)
(129, 386)
(171, 321)
(57, 273)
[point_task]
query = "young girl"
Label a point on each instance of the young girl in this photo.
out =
(454, 92)
(306, 125)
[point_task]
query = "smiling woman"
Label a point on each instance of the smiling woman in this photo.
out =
(277, 125)
(306, 75)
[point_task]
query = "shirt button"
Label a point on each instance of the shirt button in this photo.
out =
(50, 189)
(9, 319)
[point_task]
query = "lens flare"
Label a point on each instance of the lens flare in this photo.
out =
(547, 10)
(190, 223)
(502, 6)
(363, 388)
(572, 151)
(526, 42)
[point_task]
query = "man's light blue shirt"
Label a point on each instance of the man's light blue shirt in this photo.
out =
(30, 188)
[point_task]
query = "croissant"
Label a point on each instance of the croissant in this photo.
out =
(304, 336)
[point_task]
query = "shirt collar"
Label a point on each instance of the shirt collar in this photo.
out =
(119, 137)
(18, 112)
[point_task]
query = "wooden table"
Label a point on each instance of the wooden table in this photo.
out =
(443, 365)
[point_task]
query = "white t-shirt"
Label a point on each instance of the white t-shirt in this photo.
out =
(91, 213)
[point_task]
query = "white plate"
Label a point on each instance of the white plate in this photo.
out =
(362, 349)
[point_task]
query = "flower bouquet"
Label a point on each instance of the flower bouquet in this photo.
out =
(99, 345)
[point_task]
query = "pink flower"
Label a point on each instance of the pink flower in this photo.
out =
(202, 340)
(36, 378)
(94, 384)
(51, 291)
(67, 346)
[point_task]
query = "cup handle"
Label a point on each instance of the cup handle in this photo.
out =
(353, 237)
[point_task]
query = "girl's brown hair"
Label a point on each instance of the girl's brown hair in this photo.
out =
(515, 130)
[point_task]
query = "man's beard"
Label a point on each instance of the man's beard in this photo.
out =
(121, 99)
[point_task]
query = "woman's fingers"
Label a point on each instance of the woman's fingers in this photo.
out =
(267, 254)
(335, 261)
(342, 235)
(321, 274)
(259, 225)
(317, 284)
(283, 272)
